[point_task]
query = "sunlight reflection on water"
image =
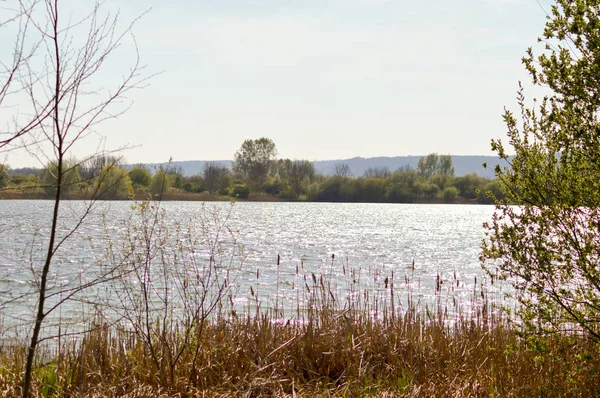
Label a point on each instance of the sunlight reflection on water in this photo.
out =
(439, 239)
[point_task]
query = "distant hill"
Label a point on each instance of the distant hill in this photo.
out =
(189, 167)
(462, 164)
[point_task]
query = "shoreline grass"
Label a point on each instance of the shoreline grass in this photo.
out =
(334, 345)
(180, 195)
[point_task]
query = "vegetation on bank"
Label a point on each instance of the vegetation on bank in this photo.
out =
(282, 179)
(358, 342)
(331, 355)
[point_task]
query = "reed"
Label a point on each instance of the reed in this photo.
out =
(326, 336)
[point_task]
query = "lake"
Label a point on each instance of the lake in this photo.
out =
(419, 243)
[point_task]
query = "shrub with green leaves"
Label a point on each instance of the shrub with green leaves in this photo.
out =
(240, 191)
(548, 245)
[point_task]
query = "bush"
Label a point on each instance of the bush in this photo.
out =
(450, 194)
(4, 178)
(140, 177)
(240, 191)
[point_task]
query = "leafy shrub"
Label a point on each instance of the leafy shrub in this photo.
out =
(240, 191)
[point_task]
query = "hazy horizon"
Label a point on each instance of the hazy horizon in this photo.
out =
(323, 79)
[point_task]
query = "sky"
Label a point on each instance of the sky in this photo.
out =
(324, 79)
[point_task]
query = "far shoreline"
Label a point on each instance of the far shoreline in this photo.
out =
(9, 194)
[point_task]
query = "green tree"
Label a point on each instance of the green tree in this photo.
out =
(161, 183)
(4, 177)
(297, 173)
(490, 193)
(442, 181)
(213, 173)
(342, 170)
(113, 183)
(450, 194)
(66, 177)
(254, 160)
(330, 190)
(193, 184)
(433, 164)
(469, 184)
(403, 187)
(140, 177)
(92, 167)
(377, 172)
(428, 165)
(273, 185)
(445, 166)
(175, 175)
(548, 246)
(374, 190)
(240, 191)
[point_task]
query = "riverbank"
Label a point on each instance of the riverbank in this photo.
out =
(356, 346)
(178, 195)
(333, 354)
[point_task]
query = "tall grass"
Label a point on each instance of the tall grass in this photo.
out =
(327, 341)
(177, 321)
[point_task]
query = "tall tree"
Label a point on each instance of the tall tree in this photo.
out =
(4, 178)
(161, 183)
(65, 103)
(378, 172)
(91, 168)
(342, 170)
(113, 183)
(445, 166)
(70, 177)
(548, 246)
(428, 165)
(433, 164)
(254, 160)
(213, 174)
(295, 172)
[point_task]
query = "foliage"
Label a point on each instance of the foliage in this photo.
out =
(433, 164)
(91, 168)
(174, 277)
(69, 178)
(161, 183)
(273, 185)
(4, 177)
(140, 177)
(24, 181)
(469, 184)
(342, 170)
(334, 342)
(213, 175)
(240, 191)
(373, 189)
(378, 172)
(450, 194)
(193, 184)
(548, 246)
(254, 160)
(297, 174)
(176, 180)
(113, 183)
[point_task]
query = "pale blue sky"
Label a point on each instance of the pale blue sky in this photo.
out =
(324, 79)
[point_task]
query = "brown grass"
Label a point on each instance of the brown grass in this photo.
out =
(332, 346)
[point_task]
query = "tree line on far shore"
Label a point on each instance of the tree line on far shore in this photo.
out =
(256, 170)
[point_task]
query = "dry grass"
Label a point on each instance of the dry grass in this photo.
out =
(333, 346)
